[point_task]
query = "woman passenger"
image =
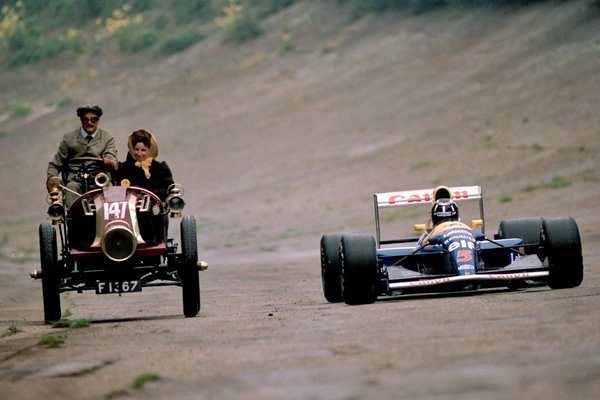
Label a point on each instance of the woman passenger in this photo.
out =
(141, 167)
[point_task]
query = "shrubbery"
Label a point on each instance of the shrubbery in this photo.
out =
(135, 38)
(179, 42)
(32, 30)
(420, 6)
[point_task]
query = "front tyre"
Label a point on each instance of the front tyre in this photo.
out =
(331, 268)
(359, 269)
(563, 250)
(50, 273)
(189, 269)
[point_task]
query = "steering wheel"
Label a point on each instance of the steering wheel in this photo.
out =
(87, 168)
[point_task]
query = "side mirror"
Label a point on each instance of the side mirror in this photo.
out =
(420, 227)
(476, 223)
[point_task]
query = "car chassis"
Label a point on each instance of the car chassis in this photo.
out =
(113, 239)
(358, 269)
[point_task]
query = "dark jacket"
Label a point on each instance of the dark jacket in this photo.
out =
(160, 176)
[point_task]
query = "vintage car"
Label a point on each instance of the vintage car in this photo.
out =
(113, 239)
(358, 269)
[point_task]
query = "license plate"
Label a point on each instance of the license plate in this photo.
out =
(118, 287)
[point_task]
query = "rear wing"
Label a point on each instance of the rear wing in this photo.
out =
(421, 197)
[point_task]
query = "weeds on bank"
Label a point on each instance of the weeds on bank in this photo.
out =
(91, 369)
(19, 110)
(52, 340)
(138, 383)
(505, 199)
(65, 322)
(141, 380)
(18, 255)
(12, 330)
(555, 183)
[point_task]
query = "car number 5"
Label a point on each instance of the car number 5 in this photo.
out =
(463, 256)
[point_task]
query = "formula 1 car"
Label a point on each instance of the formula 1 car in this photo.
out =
(113, 239)
(357, 269)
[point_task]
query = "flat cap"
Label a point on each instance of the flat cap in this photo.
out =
(93, 109)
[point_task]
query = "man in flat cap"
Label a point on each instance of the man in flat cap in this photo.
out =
(87, 141)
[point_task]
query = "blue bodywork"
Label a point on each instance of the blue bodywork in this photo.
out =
(454, 252)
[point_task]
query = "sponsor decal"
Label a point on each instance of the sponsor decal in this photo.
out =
(520, 275)
(430, 282)
(423, 197)
(466, 266)
(461, 244)
(415, 198)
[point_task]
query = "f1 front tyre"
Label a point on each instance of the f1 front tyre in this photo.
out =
(359, 268)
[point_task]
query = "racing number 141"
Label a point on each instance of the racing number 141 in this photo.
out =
(115, 210)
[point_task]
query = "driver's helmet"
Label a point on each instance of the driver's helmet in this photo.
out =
(444, 210)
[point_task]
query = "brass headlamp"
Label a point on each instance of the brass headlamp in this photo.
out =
(56, 210)
(175, 200)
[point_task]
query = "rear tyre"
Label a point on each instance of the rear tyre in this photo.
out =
(189, 267)
(50, 273)
(563, 249)
(331, 268)
(359, 268)
(528, 229)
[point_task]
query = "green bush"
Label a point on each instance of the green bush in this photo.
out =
(136, 38)
(81, 12)
(360, 7)
(187, 11)
(180, 42)
(65, 102)
(246, 27)
(19, 110)
(264, 8)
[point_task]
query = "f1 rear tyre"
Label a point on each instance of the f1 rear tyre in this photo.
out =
(358, 255)
(331, 268)
(563, 249)
(528, 229)
(50, 273)
(189, 269)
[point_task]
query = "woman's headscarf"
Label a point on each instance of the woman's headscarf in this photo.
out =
(152, 150)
